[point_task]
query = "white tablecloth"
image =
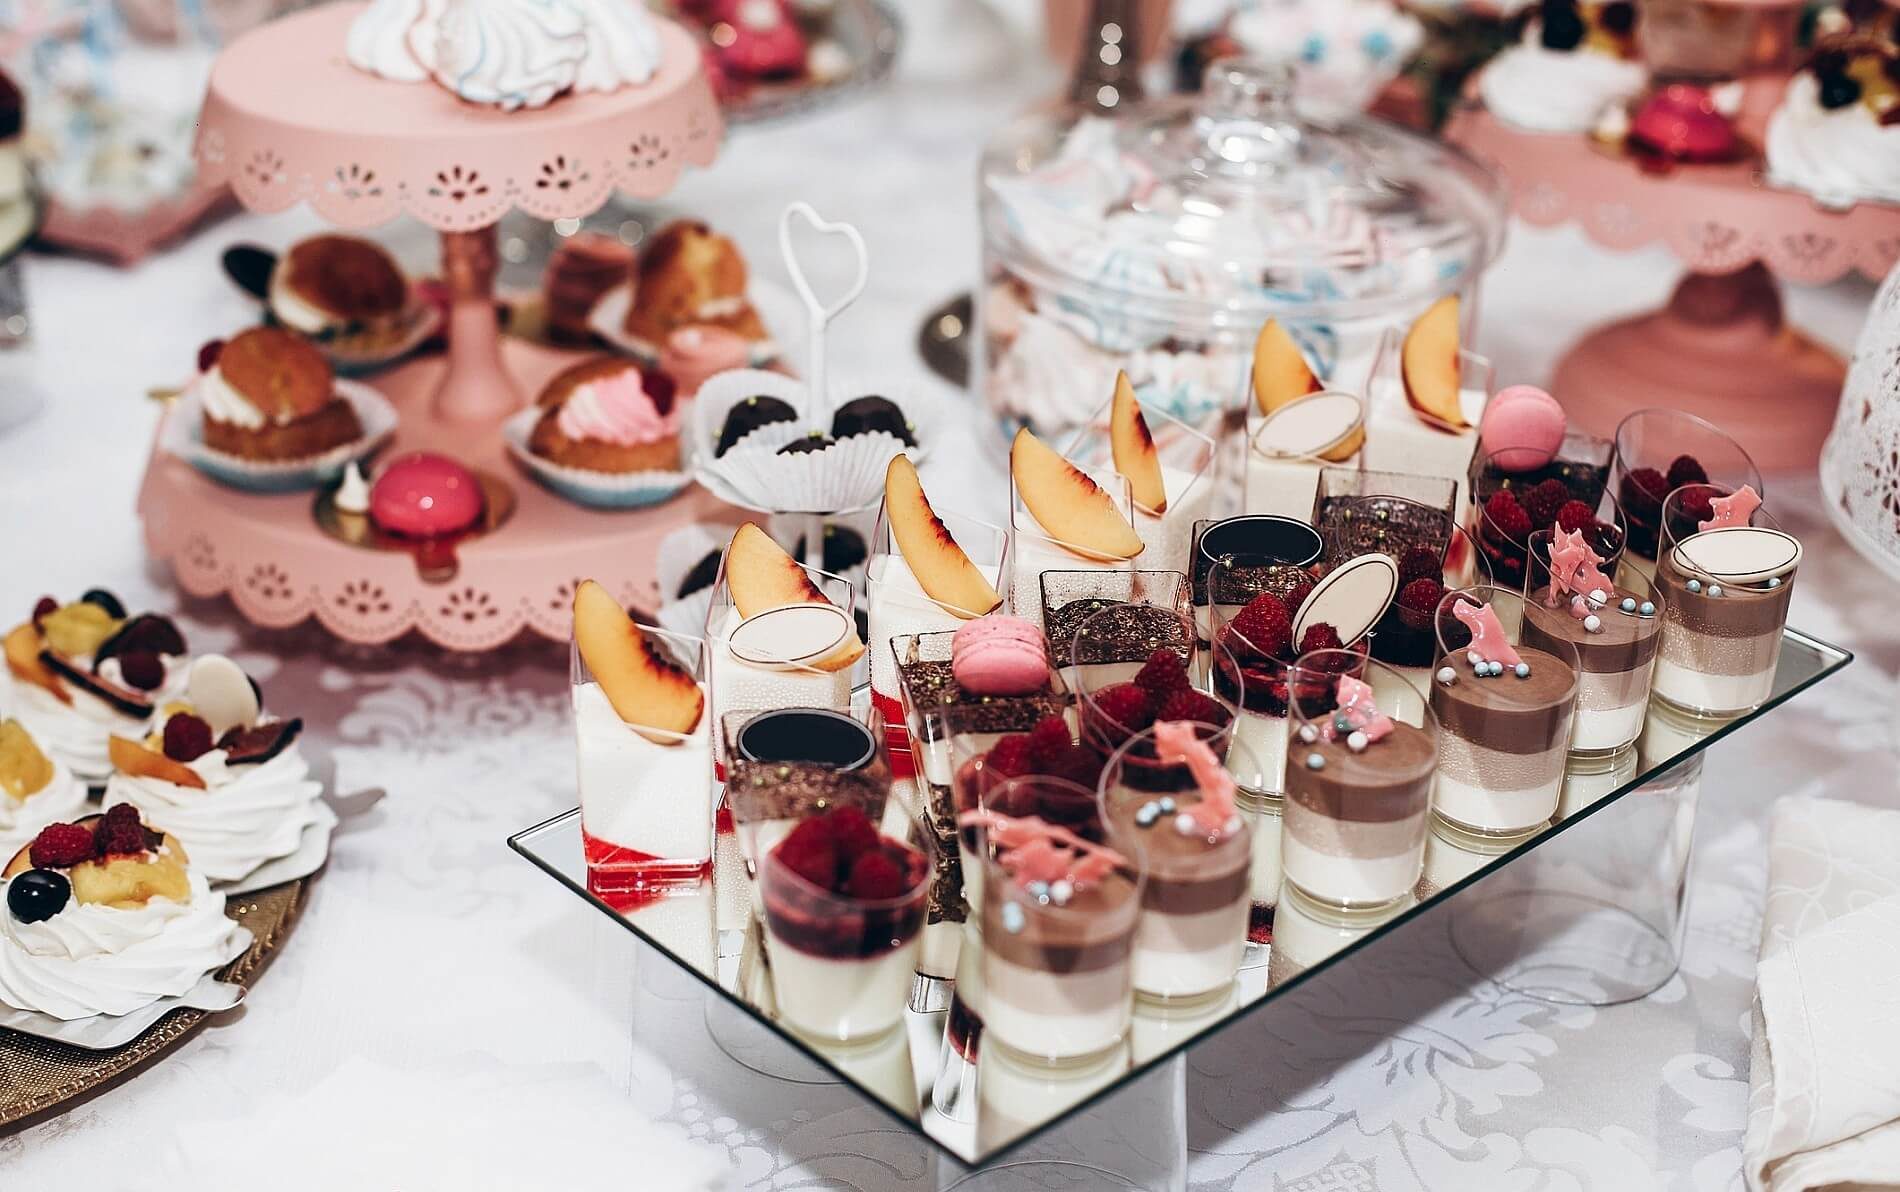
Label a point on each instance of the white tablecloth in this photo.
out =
(428, 948)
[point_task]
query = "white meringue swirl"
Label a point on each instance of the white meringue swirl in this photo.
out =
(61, 800)
(76, 734)
(91, 959)
(1545, 90)
(378, 41)
(222, 403)
(623, 45)
(245, 816)
(1840, 156)
(509, 53)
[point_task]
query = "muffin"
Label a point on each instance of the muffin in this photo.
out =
(268, 396)
(332, 287)
(690, 275)
(607, 414)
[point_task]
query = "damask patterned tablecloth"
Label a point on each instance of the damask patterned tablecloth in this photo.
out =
(430, 952)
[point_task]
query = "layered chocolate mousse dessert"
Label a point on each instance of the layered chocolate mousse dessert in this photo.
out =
(1503, 716)
(1725, 576)
(1658, 451)
(1358, 792)
(1168, 464)
(844, 916)
(1167, 795)
(1058, 918)
(1614, 629)
(793, 764)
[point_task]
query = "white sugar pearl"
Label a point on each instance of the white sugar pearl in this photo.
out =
(1593, 623)
(1447, 675)
(1357, 742)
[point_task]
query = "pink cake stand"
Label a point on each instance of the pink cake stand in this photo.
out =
(1721, 347)
(286, 119)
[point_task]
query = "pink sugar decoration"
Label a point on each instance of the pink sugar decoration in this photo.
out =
(1030, 849)
(1177, 743)
(1488, 638)
(1733, 510)
(1359, 705)
(1574, 568)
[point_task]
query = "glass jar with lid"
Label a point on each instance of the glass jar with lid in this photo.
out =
(1160, 242)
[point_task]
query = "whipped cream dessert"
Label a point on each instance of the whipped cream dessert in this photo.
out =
(1725, 604)
(776, 662)
(900, 608)
(1841, 154)
(1542, 89)
(1399, 438)
(36, 789)
(1033, 551)
(1614, 630)
(1355, 817)
(508, 54)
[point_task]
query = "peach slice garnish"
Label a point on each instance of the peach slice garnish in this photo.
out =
(136, 761)
(1073, 509)
(762, 577)
(1280, 371)
(942, 568)
(646, 689)
(22, 647)
(1133, 445)
(1428, 364)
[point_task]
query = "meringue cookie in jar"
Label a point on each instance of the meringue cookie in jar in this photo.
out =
(1159, 243)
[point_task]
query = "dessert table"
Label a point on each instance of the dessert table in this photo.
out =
(430, 956)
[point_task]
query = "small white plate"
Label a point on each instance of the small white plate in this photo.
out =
(103, 1033)
(184, 438)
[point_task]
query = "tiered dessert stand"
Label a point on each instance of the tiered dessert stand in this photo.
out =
(287, 119)
(1721, 347)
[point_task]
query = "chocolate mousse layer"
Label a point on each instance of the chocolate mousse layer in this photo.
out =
(1390, 781)
(820, 923)
(1186, 874)
(1506, 713)
(1740, 611)
(1092, 931)
(1625, 642)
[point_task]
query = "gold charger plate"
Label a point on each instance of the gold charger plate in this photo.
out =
(39, 1076)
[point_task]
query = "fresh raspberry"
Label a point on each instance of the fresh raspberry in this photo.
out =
(1077, 763)
(1009, 757)
(142, 669)
(1337, 663)
(1574, 516)
(61, 846)
(1543, 502)
(1644, 486)
(1422, 595)
(852, 833)
(44, 607)
(875, 875)
(208, 353)
(1126, 708)
(1296, 595)
(1049, 739)
(1320, 636)
(187, 738)
(122, 813)
(807, 851)
(1195, 706)
(1420, 562)
(1686, 469)
(1265, 625)
(119, 838)
(1163, 674)
(1694, 505)
(1507, 516)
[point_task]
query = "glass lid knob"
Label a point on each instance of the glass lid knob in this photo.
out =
(1246, 115)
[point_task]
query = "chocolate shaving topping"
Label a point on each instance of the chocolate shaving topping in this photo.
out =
(259, 743)
(124, 700)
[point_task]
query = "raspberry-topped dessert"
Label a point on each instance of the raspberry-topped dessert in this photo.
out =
(267, 394)
(1576, 60)
(1658, 451)
(844, 915)
(81, 672)
(1509, 513)
(1160, 689)
(218, 775)
(35, 788)
(105, 916)
(1614, 627)
(609, 415)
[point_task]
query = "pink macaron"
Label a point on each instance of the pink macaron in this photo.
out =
(999, 655)
(1522, 428)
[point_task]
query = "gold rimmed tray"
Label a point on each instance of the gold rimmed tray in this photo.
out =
(39, 1076)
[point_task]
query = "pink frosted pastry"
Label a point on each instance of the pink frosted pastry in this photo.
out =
(425, 495)
(691, 354)
(999, 655)
(1684, 122)
(1524, 423)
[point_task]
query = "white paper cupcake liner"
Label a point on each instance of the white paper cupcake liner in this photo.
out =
(350, 358)
(681, 550)
(776, 306)
(595, 490)
(184, 438)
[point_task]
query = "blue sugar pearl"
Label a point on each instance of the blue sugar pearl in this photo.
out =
(1523, 670)
(1146, 815)
(1038, 890)
(1774, 581)
(1376, 44)
(1166, 804)
(1313, 50)
(1648, 609)
(1315, 762)
(1013, 918)
(1715, 589)
(1694, 585)
(1628, 605)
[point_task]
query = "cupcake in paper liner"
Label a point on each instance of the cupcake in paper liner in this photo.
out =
(266, 414)
(605, 433)
(349, 297)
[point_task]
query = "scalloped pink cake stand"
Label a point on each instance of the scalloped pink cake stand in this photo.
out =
(287, 119)
(1720, 348)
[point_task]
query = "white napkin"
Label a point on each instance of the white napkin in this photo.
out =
(476, 1126)
(1824, 1081)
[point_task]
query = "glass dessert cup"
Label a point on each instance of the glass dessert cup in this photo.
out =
(1033, 550)
(1261, 537)
(1588, 779)
(1403, 437)
(647, 795)
(1355, 818)
(1187, 475)
(1581, 465)
(1193, 927)
(1110, 650)
(1341, 489)
(1287, 450)
(791, 655)
(1724, 594)
(1651, 441)
(1504, 715)
(1615, 660)
(842, 960)
(1070, 598)
(1307, 930)
(898, 606)
(1505, 545)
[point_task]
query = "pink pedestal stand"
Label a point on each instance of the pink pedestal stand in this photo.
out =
(1720, 348)
(286, 119)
